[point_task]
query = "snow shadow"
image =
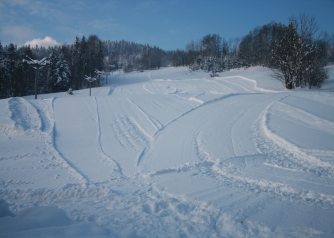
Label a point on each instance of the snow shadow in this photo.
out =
(45, 221)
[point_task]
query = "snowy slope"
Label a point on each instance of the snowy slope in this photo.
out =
(170, 153)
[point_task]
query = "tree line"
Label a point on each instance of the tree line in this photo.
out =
(297, 53)
(69, 64)
(132, 56)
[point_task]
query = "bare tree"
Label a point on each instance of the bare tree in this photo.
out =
(298, 55)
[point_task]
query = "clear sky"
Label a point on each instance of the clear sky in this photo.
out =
(168, 24)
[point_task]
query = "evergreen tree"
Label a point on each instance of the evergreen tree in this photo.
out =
(94, 56)
(63, 73)
(76, 68)
(2, 82)
(1, 52)
(84, 69)
(58, 73)
(8, 71)
(52, 76)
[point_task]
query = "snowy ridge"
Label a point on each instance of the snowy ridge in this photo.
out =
(240, 86)
(307, 119)
(221, 171)
(295, 155)
(250, 80)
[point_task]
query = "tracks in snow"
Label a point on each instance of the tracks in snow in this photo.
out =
(241, 129)
(99, 139)
(126, 145)
(170, 148)
(40, 157)
(78, 139)
(286, 154)
(45, 109)
(192, 151)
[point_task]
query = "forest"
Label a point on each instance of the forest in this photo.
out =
(297, 53)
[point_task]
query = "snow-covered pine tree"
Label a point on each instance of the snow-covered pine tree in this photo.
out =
(58, 73)
(62, 73)
(8, 70)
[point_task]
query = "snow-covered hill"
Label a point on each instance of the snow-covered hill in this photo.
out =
(170, 153)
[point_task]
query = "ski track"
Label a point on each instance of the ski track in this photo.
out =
(114, 163)
(154, 121)
(175, 120)
(231, 144)
(70, 166)
(145, 88)
(239, 86)
(22, 113)
(225, 87)
(131, 203)
(105, 167)
(221, 171)
(218, 169)
(250, 80)
(286, 151)
(43, 108)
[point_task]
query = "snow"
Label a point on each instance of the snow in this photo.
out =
(170, 153)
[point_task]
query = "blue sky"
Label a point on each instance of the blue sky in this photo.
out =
(168, 24)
